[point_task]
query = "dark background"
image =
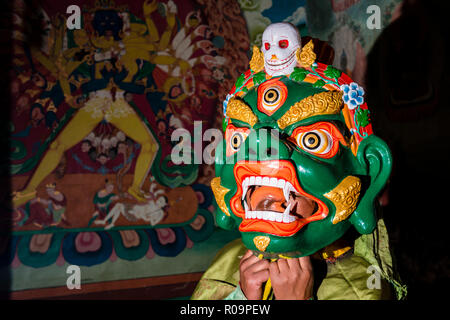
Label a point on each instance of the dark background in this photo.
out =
(407, 91)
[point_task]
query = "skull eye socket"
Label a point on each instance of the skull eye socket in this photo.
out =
(283, 44)
(267, 46)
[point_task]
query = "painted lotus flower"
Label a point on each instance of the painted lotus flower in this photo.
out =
(353, 95)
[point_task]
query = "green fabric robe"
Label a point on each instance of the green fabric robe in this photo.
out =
(366, 274)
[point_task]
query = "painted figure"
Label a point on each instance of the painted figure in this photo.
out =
(48, 212)
(151, 212)
(97, 69)
(105, 104)
(103, 199)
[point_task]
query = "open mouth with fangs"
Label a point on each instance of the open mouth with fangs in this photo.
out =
(270, 199)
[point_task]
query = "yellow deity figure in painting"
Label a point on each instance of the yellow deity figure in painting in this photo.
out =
(103, 105)
(128, 43)
(106, 104)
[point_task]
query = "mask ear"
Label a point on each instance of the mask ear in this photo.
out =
(373, 154)
(257, 61)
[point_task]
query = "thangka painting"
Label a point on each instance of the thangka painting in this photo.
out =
(93, 112)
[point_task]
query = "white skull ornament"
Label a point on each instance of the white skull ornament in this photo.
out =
(280, 42)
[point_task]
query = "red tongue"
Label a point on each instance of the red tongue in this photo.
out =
(267, 198)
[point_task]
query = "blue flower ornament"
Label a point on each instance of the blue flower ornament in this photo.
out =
(353, 95)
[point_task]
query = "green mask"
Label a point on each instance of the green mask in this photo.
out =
(299, 163)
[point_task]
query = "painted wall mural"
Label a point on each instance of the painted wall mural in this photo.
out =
(93, 111)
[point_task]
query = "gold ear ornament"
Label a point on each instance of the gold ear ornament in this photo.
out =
(257, 61)
(306, 56)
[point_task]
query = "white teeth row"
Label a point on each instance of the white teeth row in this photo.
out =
(269, 182)
(284, 217)
(287, 187)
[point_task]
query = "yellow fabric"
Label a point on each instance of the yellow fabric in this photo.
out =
(374, 248)
(345, 280)
(222, 276)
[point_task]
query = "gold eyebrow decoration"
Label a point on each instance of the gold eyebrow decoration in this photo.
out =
(238, 110)
(329, 102)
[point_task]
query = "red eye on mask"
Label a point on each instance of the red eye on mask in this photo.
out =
(267, 45)
(283, 44)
